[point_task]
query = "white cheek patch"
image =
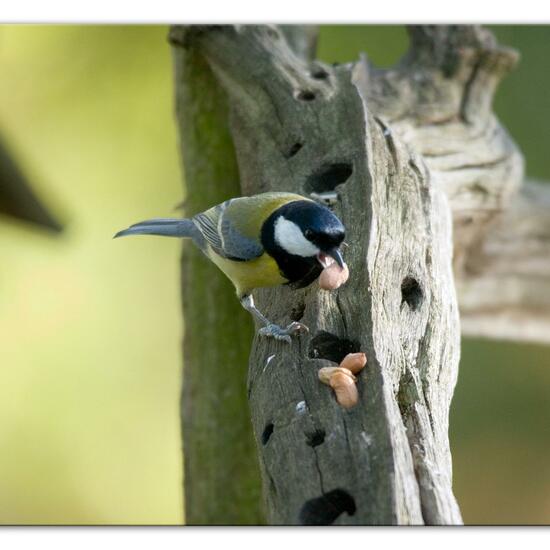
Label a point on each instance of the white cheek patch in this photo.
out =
(290, 238)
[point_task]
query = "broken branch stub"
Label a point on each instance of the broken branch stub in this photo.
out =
(438, 100)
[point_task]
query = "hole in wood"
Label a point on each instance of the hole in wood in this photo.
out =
(266, 434)
(315, 438)
(305, 95)
(325, 345)
(293, 149)
(272, 33)
(324, 510)
(411, 293)
(328, 177)
(319, 73)
(297, 311)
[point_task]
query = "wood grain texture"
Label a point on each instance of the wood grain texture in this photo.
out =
(386, 461)
(438, 99)
(428, 183)
(505, 292)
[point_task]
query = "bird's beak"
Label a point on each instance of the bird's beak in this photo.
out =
(330, 256)
(335, 253)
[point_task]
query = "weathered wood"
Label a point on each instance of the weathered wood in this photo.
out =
(216, 429)
(301, 39)
(505, 292)
(398, 146)
(387, 460)
(438, 99)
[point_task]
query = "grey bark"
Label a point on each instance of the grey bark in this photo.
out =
(398, 146)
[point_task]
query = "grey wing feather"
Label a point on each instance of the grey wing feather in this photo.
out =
(223, 237)
(209, 229)
(207, 223)
(236, 245)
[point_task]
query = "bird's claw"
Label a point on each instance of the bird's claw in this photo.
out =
(279, 333)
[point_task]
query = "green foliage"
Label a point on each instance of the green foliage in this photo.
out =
(383, 44)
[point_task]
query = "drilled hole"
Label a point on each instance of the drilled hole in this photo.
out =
(297, 311)
(328, 177)
(319, 74)
(305, 95)
(315, 438)
(325, 345)
(294, 149)
(266, 434)
(411, 293)
(324, 510)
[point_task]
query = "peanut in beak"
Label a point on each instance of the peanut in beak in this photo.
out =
(333, 276)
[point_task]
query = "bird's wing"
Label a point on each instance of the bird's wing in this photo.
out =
(236, 245)
(224, 237)
(207, 223)
(233, 228)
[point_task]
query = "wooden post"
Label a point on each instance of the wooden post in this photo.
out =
(410, 152)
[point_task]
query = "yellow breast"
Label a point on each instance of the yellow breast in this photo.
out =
(246, 276)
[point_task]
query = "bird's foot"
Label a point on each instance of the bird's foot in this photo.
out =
(279, 333)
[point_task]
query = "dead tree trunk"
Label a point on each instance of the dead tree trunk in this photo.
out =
(397, 147)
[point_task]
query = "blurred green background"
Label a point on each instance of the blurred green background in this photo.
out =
(90, 328)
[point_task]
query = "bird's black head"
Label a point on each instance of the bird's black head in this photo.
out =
(303, 237)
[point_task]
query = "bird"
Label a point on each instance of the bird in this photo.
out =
(263, 240)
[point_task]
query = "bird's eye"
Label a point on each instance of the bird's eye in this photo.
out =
(308, 233)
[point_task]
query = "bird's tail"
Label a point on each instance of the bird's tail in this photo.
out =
(166, 227)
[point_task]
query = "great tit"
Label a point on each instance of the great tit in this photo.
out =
(261, 241)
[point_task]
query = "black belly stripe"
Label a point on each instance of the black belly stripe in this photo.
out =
(298, 271)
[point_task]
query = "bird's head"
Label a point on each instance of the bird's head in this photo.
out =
(305, 230)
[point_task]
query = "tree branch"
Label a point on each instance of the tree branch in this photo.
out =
(438, 99)
(505, 293)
